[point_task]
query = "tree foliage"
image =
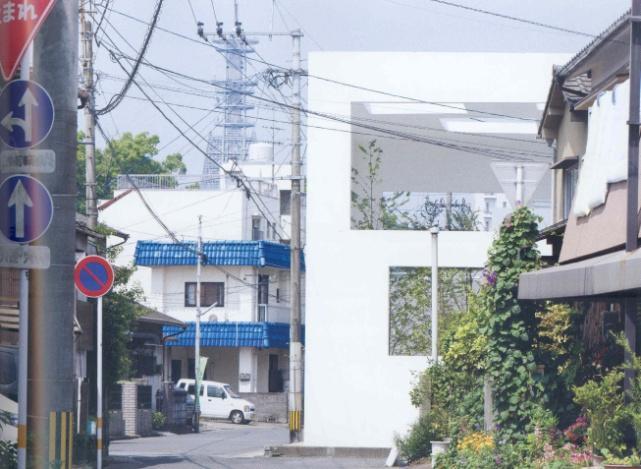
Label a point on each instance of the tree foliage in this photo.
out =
(121, 308)
(129, 154)
(510, 325)
(390, 212)
(410, 305)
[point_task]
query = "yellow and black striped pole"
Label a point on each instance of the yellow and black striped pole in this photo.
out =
(61, 440)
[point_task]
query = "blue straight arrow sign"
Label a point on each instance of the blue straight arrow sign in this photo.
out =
(26, 209)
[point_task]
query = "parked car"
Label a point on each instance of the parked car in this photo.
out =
(218, 400)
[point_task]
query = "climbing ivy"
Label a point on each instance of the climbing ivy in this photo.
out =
(510, 325)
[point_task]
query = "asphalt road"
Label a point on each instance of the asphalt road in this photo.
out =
(219, 445)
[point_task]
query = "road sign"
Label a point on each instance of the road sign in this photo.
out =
(18, 256)
(26, 209)
(26, 114)
(93, 276)
(19, 23)
(28, 161)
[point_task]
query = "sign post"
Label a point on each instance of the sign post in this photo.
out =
(94, 277)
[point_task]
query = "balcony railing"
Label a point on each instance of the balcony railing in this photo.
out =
(273, 313)
(188, 182)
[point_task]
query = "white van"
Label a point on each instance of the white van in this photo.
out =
(218, 400)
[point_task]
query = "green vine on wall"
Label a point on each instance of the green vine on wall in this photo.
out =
(510, 325)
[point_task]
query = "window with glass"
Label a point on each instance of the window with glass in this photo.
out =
(211, 293)
(570, 178)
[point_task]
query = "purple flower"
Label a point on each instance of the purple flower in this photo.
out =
(490, 277)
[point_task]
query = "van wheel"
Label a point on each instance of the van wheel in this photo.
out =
(237, 417)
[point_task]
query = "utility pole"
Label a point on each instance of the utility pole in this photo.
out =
(90, 114)
(52, 296)
(199, 261)
(632, 223)
(520, 185)
(295, 345)
(434, 232)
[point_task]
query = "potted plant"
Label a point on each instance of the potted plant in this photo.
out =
(440, 427)
(628, 462)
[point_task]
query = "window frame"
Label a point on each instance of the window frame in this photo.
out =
(219, 297)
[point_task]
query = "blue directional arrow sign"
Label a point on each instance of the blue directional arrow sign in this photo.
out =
(26, 209)
(26, 114)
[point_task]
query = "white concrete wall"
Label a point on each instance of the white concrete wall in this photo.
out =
(168, 292)
(355, 393)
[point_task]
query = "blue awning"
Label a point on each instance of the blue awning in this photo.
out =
(221, 253)
(230, 334)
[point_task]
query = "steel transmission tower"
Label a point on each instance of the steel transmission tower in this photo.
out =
(231, 138)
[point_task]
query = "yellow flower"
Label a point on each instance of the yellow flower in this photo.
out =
(476, 442)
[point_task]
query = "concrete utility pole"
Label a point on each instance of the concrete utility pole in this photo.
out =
(90, 117)
(295, 345)
(632, 224)
(52, 296)
(199, 261)
(434, 232)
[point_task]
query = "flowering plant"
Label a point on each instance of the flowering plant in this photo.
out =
(476, 442)
(577, 432)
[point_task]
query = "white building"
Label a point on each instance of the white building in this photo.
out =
(246, 276)
(245, 316)
(464, 112)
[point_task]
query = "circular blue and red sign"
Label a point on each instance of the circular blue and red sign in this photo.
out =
(93, 276)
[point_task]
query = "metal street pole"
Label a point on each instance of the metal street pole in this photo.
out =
(51, 294)
(99, 421)
(434, 232)
(632, 223)
(295, 345)
(89, 112)
(519, 185)
(23, 335)
(199, 251)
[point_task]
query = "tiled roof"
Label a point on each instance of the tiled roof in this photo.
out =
(594, 44)
(230, 334)
(222, 253)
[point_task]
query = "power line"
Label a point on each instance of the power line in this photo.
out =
(330, 80)
(513, 18)
(116, 100)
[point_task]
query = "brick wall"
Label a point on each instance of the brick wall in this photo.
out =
(270, 407)
(129, 408)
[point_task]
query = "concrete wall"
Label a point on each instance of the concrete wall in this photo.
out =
(270, 407)
(167, 292)
(355, 393)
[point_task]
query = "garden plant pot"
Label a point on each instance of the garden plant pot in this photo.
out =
(439, 447)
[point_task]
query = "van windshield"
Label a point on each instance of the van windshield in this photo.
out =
(231, 393)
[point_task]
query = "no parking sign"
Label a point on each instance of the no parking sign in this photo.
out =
(93, 276)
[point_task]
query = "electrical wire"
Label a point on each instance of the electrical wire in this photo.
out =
(116, 100)
(513, 18)
(330, 80)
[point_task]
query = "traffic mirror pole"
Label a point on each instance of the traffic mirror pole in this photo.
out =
(23, 335)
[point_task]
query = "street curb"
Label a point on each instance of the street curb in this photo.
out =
(326, 451)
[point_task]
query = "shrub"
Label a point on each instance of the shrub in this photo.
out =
(158, 420)
(8, 455)
(416, 444)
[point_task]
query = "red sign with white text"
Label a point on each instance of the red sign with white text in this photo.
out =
(19, 23)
